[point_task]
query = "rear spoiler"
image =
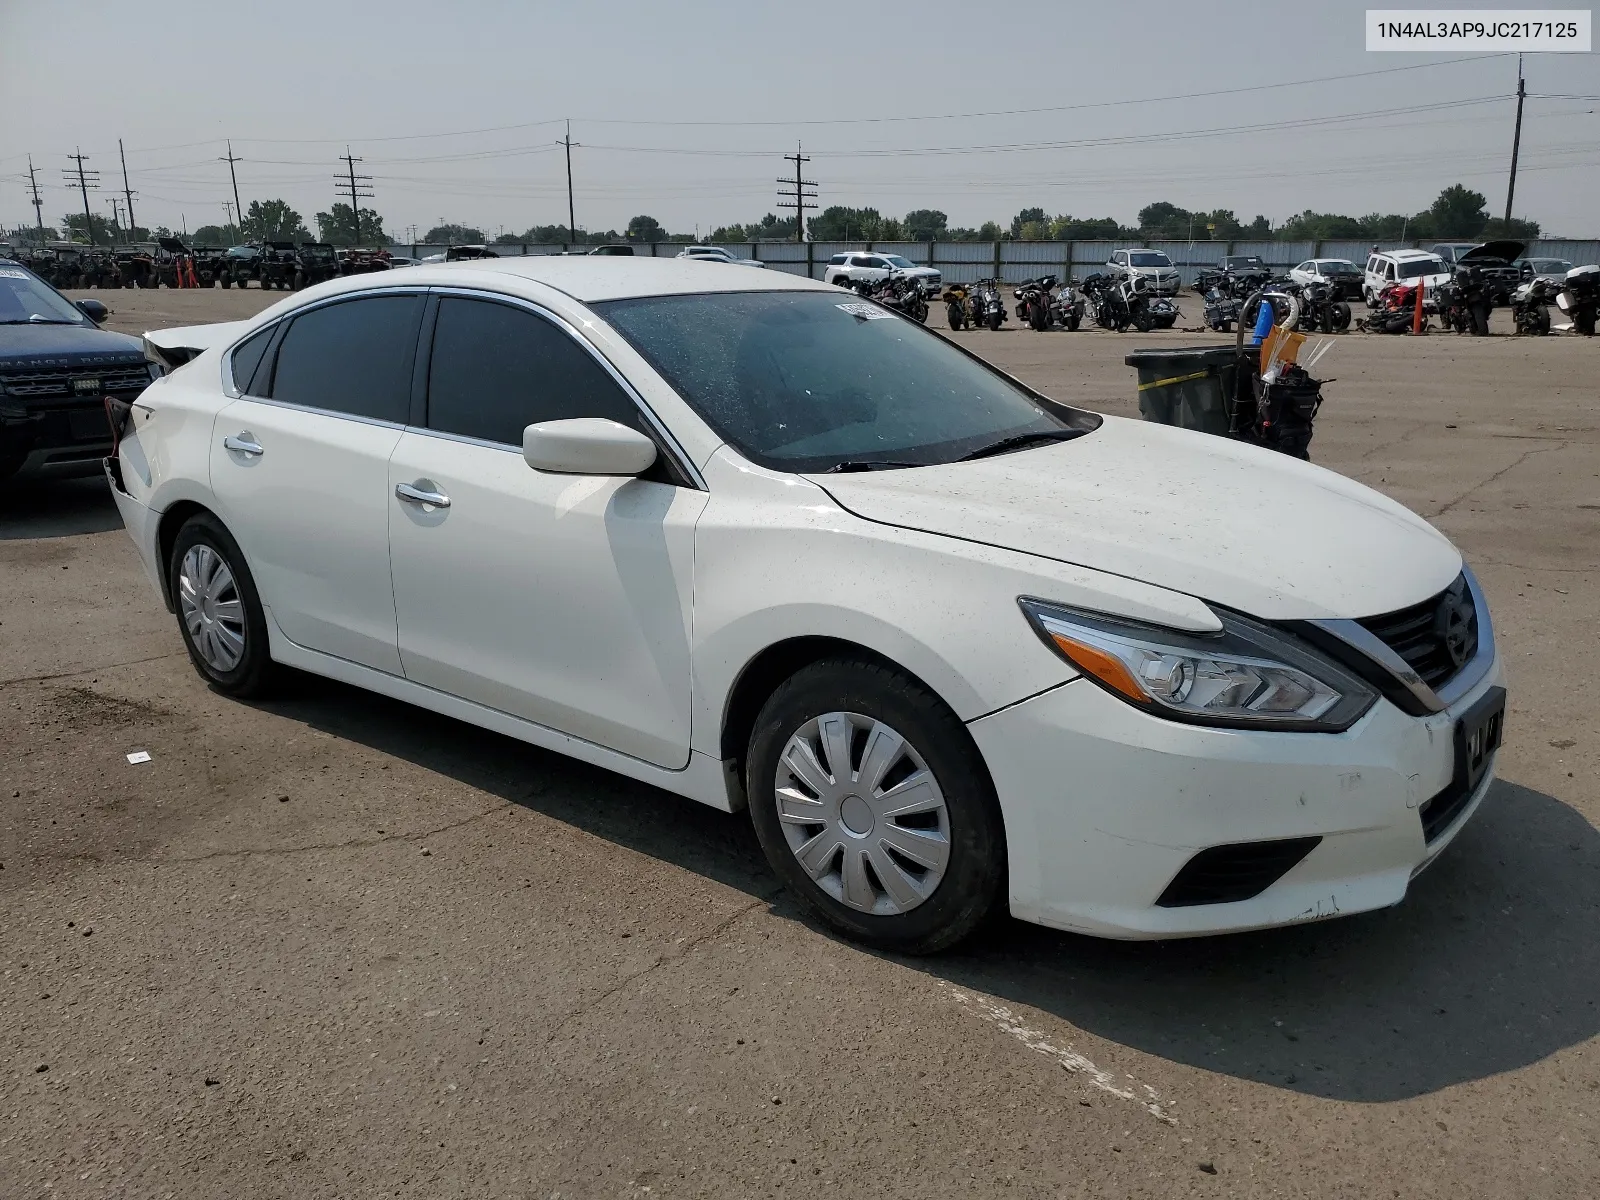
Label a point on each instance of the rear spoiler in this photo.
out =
(169, 349)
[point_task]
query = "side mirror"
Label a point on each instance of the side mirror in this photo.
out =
(94, 310)
(587, 446)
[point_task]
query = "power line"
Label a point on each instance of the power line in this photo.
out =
(126, 190)
(797, 198)
(359, 186)
(237, 207)
(86, 180)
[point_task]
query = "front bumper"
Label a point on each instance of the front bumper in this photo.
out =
(1104, 805)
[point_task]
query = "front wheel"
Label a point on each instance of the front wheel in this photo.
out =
(874, 807)
(994, 320)
(1341, 317)
(955, 315)
(219, 610)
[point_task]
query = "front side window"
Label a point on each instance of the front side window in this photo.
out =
(27, 300)
(805, 381)
(497, 369)
(351, 357)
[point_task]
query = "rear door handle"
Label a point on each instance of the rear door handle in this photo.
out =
(416, 495)
(244, 443)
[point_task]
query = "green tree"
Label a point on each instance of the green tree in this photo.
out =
(1164, 219)
(273, 221)
(729, 233)
(839, 224)
(1516, 228)
(78, 229)
(1084, 229)
(1458, 212)
(646, 229)
(926, 224)
(338, 226)
(990, 231)
(508, 239)
(214, 235)
(1028, 216)
(454, 235)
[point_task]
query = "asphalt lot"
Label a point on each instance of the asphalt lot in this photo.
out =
(332, 946)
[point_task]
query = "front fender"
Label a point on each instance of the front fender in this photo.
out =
(777, 559)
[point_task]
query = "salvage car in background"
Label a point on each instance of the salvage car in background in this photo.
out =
(57, 370)
(954, 644)
(1342, 277)
(872, 266)
(1160, 276)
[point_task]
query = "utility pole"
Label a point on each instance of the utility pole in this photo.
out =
(797, 199)
(237, 207)
(228, 208)
(116, 216)
(38, 212)
(86, 180)
(355, 189)
(126, 190)
(1516, 140)
(572, 221)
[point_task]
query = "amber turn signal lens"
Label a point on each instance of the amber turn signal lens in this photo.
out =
(1108, 669)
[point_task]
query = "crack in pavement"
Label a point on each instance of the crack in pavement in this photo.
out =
(1520, 459)
(132, 662)
(662, 960)
(279, 851)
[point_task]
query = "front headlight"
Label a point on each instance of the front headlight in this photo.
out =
(1247, 676)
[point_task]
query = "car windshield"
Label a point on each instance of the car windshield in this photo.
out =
(895, 260)
(1551, 266)
(1149, 258)
(805, 381)
(25, 300)
(1241, 261)
(1412, 267)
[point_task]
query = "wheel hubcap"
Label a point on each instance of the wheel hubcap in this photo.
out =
(212, 610)
(862, 813)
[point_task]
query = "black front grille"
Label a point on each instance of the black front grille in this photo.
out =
(1225, 874)
(41, 384)
(1437, 637)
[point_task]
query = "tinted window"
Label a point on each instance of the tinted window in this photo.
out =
(248, 357)
(497, 369)
(353, 357)
(837, 260)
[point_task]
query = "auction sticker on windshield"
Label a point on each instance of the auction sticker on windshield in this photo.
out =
(12, 273)
(1492, 30)
(861, 308)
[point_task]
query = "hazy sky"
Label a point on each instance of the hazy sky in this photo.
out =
(684, 110)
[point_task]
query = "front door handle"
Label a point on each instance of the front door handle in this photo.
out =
(244, 443)
(416, 495)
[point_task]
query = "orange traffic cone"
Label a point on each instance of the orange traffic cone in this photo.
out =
(1417, 318)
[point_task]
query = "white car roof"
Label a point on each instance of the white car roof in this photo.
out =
(1400, 254)
(586, 278)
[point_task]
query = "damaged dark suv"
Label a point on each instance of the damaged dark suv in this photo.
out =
(57, 369)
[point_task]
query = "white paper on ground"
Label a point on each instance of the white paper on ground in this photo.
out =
(139, 756)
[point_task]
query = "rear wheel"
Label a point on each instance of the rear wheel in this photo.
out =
(1039, 317)
(219, 610)
(874, 807)
(1073, 322)
(956, 317)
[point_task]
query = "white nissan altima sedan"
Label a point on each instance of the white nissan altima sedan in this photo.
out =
(954, 645)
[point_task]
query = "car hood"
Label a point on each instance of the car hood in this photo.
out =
(1247, 528)
(40, 347)
(1505, 251)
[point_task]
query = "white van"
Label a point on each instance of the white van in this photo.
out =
(1402, 266)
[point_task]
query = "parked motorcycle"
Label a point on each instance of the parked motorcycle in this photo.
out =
(1033, 298)
(1530, 307)
(1464, 303)
(1394, 311)
(1164, 313)
(955, 306)
(898, 291)
(1579, 298)
(1320, 310)
(985, 304)
(1067, 307)
(1115, 304)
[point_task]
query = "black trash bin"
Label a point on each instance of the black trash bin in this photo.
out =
(1191, 387)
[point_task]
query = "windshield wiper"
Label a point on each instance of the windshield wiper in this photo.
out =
(868, 464)
(35, 321)
(1019, 440)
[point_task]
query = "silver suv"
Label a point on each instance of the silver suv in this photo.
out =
(1161, 276)
(872, 265)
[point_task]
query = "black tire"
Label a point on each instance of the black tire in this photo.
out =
(256, 673)
(955, 316)
(1073, 322)
(975, 874)
(1039, 317)
(1583, 323)
(1341, 317)
(994, 320)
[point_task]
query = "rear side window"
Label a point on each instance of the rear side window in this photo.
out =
(837, 260)
(353, 357)
(497, 369)
(247, 358)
